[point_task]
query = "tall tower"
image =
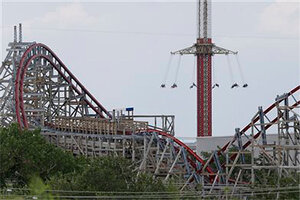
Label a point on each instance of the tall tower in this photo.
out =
(204, 49)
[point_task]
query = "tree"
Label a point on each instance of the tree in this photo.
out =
(25, 154)
(29, 161)
(108, 174)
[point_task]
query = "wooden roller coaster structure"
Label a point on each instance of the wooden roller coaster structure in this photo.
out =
(38, 91)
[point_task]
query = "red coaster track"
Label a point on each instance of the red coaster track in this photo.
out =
(38, 51)
(90, 106)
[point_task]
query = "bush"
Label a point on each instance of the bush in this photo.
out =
(25, 154)
(28, 161)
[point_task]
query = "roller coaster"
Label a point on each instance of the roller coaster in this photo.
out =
(37, 90)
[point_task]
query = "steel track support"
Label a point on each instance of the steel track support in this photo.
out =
(146, 153)
(173, 164)
(236, 182)
(214, 182)
(240, 143)
(262, 125)
(161, 158)
(187, 181)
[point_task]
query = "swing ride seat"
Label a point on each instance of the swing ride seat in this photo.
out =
(215, 85)
(234, 85)
(174, 85)
(193, 85)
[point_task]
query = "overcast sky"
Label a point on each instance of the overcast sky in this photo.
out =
(120, 50)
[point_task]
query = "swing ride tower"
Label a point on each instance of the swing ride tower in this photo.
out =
(204, 49)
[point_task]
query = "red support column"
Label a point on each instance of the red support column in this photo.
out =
(204, 91)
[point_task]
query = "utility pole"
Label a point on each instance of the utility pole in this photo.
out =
(204, 49)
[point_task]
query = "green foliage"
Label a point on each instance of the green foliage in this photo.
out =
(114, 173)
(100, 174)
(271, 181)
(146, 183)
(39, 189)
(31, 164)
(108, 174)
(24, 154)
